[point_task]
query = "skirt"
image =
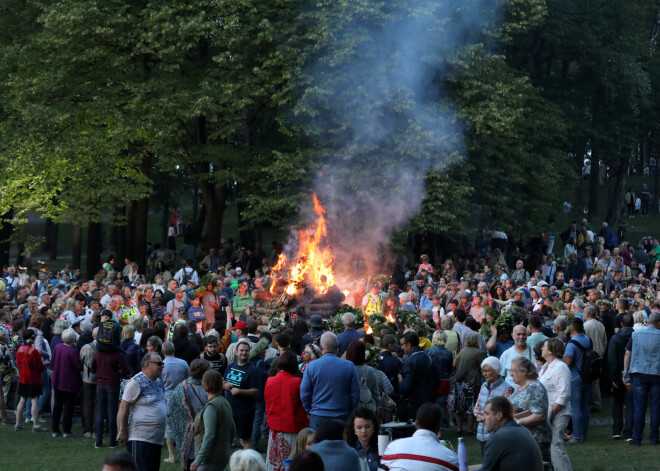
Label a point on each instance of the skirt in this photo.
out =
(279, 449)
(29, 390)
(464, 398)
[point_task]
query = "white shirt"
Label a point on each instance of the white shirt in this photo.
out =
(556, 377)
(506, 359)
(595, 330)
(421, 452)
(191, 272)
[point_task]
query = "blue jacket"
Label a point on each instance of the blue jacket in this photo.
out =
(420, 380)
(330, 387)
(346, 338)
(336, 454)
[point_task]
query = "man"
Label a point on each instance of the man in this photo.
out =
(549, 269)
(211, 262)
(419, 287)
(616, 352)
(241, 331)
(112, 291)
(242, 383)
(119, 461)
(88, 386)
(520, 348)
(418, 379)
(642, 363)
(595, 330)
(536, 336)
(520, 274)
(576, 308)
(388, 363)
(423, 451)
(349, 335)
(143, 413)
(175, 370)
(510, 446)
(315, 332)
(330, 387)
(175, 305)
(404, 302)
(184, 348)
(580, 392)
(187, 273)
(372, 302)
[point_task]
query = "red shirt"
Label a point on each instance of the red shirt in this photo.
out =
(29, 365)
(284, 409)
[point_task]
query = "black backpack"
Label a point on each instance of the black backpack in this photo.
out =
(187, 275)
(591, 363)
(106, 337)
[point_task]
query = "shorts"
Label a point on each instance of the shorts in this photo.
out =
(29, 390)
(244, 426)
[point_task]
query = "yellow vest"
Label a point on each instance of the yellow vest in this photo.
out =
(374, 306)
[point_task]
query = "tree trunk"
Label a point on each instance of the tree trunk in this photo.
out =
(214, 196)
(48, 228)
(246, 236)
(165, 217)
(579, 189)
(594, 184)
(20, 246)
(6, 228)
(118, 234)
(93, 249)
(617, 197)
(54, 232)
(140, 220)
(76, 245)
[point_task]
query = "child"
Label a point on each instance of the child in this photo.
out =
(196, 313)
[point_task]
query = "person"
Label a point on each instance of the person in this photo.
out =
(418, 380)
(304, 441)
(368, 376)
(622, 426)
(241, 330)
(423, 451)
(331, 447)
(7, 371)
(556, 378)
(285, 413)
(642, 363)
(595, 330)
(142, 415)
(246, 460)
(214, 427)
(510, 446)
(307, 460)
(131, 349)
(372, 302)
(310, 353)
(580, 392)
(330, 387)
(184, 348)
(30, 366)
(349, 335)
(175, 371)
(186, 401)
(66, 367)
(520, 348)
(531, 399)
(443, 361)
(242, 382)
(492, 387)
(467, 381)
(211, 354)
(362, 434)
(119, 461)
(242, 300)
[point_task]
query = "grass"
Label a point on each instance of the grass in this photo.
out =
(27, 450)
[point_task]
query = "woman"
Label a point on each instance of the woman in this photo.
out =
(362, 435)
(556, 378)
(369, 379)
(426, 300)
(453, 342)
(300, 329)
(45, 351)
(246, 460)
(30, 383)
(467, 381)
(187, 399)
(655, 272)
(493, 386)
(130, 349)
(638, 318)
(285, 413)
(449, 272)
(443, 361)
(7, 369)
(66, 368)
(214, 427)
(310, 353)
(531, 399)
(304, 441)
(155, 344)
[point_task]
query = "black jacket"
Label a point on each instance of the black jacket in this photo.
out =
(616, 351)
(420, 378)
(185, 350)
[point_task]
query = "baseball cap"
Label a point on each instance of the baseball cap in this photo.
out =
(240, 325)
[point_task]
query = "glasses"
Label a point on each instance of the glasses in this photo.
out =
(159, 363)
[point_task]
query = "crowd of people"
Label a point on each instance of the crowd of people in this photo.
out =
(513, 348)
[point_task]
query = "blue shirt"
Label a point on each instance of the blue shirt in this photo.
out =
(346, 338)
(644, 346)
(575, 353)
(330, 387)
(175, 371)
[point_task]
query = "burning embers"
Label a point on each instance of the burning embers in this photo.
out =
(313, 264)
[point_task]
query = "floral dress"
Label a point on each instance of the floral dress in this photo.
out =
(534, 398)
(7, 369)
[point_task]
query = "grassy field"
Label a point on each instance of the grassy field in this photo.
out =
(27, 450)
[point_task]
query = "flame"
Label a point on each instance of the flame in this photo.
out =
(314, 263)
(368, 328)
(346, 292)
(390, 318)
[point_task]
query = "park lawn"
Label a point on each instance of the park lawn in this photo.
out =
(31, 451)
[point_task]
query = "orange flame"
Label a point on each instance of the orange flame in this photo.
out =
(368, 328)
(390, 318)
(314, 261)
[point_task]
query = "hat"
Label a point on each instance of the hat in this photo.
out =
(316, 321)
(492, 362)
(240, 325)
(180, 290)
(127, 296)
(239, 270)
(542, 283)
(106, 312)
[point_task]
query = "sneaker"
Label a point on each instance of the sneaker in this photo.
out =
(7, 422)
(88, 434)
(38, 428)
(56, 434)
(169, 460)
(27, 421)
(67, 435)
(114, 446)
(18, 427)
(97, 445)
(629, 439)
(43, 420)
(616, 436)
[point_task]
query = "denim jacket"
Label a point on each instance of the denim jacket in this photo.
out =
(372, 457)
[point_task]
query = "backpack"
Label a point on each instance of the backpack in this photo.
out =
(591, 363)
(106, 336)
(366, 398)
(187, 275)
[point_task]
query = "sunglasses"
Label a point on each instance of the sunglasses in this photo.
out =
(159, 363)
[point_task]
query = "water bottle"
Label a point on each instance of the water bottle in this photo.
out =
(462, 455)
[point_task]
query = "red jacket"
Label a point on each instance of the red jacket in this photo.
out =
(29, 365)
(284, 409)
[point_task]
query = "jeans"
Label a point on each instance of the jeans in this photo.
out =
(64, 401)
(146, 455)
(646, 389)
(580, 397)
(88, 403)
(259, 418)
(315, 421)
(560, 459)
(622, 425)
(107, 400)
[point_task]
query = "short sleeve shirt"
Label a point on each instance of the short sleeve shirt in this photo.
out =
(242, 377)
(146, 421)
(575, 353)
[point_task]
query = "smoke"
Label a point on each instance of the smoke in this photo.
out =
(374, 105)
